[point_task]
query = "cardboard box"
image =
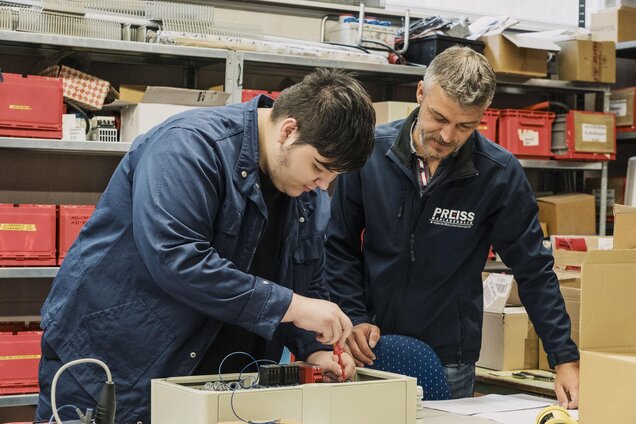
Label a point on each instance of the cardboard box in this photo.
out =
(500, 290)
(158, 104)
(83, 89)
(570, 251)
(622, 104)
(587, 60)
(518, 54)
(624, 227)
(571, 213)
(386, 112)
(509, 341)
(615, 191)
(615, 24)
(608, 338)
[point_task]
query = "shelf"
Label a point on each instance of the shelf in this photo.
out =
(626, 49)
(19, 400)
(271, 59)
(29, 272)
(63, 146)
(131, 49)
(561, 164)
(626, 135)
(520, 85)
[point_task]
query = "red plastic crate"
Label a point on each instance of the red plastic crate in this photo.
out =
(526, 133)
(70, 220)
(19, 359)
(27, 235)
(488, 125)
(31, 106)
(248, 95)
(564, 140)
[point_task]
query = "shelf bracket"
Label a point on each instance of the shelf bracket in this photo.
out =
(234, 75)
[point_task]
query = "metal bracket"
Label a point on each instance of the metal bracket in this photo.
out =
(234, 75)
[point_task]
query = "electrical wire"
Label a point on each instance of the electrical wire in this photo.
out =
(82, 113)
(61, 408)
(59, 372)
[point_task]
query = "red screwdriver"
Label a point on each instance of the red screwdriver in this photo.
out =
(338, 351)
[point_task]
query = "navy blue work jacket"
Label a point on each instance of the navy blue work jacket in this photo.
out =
(162, 262)
(419, 270)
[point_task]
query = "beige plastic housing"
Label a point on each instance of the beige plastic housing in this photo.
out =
(375, 397)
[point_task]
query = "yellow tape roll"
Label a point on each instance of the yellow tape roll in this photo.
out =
(555, 414)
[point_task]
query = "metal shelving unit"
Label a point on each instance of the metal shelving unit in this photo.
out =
(18, 400)
(626, 49)
(65, 146)
(28, 272)
(626, 135)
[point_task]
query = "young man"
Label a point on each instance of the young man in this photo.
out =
(432, 198)
(208, 240)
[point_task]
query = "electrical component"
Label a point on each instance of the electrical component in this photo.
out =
(289, 375)
(338, 351)
(103, 129)
(269, 375)
(309, 373)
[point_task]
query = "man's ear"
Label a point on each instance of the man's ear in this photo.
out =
(286, 129)
(420, 92)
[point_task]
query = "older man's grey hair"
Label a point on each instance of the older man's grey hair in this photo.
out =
(464, 75)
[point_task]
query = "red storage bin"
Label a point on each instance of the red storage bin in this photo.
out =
(488, 125)
(19, 359)
(70, 220)
(526, 133)
(248, 95)
(27, 235)
(31, 106)
(584, 135)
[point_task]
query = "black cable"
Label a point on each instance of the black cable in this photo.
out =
(387, 47)
(348, 45)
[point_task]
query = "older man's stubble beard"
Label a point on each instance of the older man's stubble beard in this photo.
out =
(428, 152)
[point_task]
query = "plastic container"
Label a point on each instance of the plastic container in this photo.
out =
(248, 95)
(27, 235)
(70, 220)
(424, 50)
(584, 135)
(19, 359)
(488, 125)
(526, 133)
(31, 106)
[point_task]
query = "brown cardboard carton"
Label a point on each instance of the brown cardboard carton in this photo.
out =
(518, 55)
(614, 24)
(571, 213)
(509, 341)
(624, 227)
(570, 251)
(622, 104)
(587, 60)
(594, 132)
(608, 338)
(386, 112)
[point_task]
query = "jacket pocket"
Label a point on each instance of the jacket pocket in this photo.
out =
(129, 338)
(307, 259)
(228, 219)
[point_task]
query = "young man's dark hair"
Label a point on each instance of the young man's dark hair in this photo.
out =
(330, 117)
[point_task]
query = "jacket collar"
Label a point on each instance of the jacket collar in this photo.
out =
(246, 170)
(460, 164)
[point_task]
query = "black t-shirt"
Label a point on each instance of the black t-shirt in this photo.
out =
(232, 338)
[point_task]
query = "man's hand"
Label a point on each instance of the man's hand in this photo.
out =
(330, 367)
(566, 385)
(363, 338)
(320, 316)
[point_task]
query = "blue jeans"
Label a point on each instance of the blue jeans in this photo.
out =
(461, 379)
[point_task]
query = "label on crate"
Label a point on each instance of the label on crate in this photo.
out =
(16, 357)
(594, 133)
(619, 107)
(18, 227)
(528, 137)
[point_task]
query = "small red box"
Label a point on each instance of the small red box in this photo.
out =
(526, 133)
(584, 135)
(488, 125)
(31, 106)
(27, 235)
(19, 359)
(248, 95)
(70, 220)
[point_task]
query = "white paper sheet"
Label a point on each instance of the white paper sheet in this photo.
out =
(486, 404)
